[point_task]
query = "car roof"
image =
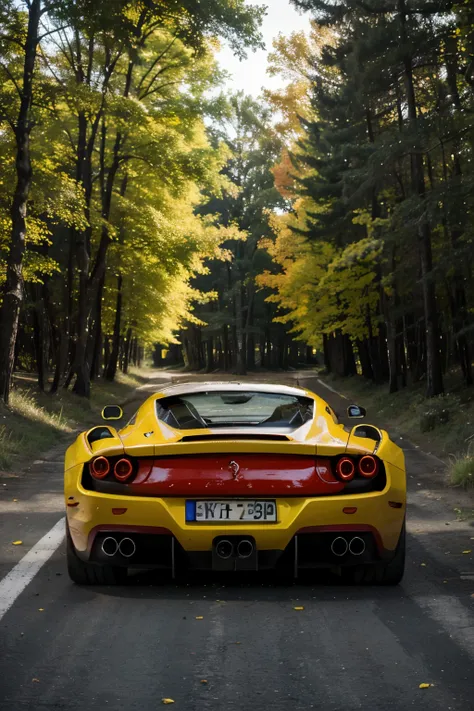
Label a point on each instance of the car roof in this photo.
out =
(193, 387)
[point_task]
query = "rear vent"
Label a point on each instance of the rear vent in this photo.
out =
(233, 438)
(367, 431)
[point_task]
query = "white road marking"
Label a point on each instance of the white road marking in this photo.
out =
(325, 385)
(25, 570)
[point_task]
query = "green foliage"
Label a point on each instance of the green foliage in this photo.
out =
(461, 471)
(244, 209)
(121, 157)
(378, 243)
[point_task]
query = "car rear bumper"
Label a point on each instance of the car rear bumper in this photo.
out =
(160, 521)
(306, 550)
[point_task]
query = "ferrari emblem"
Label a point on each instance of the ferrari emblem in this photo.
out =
(234, 469)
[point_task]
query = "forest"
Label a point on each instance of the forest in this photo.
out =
(145, 212)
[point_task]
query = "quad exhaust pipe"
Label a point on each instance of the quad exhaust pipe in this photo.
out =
(109, 546)
(340, 546)
(224, 549)
(357, 545)
(126, 547)
(243, 549)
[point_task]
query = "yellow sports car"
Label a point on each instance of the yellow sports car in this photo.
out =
(234, 476)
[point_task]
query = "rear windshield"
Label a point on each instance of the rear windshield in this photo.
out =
(230, 409)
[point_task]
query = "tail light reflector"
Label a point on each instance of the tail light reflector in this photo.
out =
(345, 469)
(368, 466)
(100, 467)
(123, 470)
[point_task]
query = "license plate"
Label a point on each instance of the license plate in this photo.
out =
(223, 511)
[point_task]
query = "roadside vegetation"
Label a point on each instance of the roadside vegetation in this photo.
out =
(462, 471)
(35, 421)
(443, 426)
(104, 158)
(373, 263)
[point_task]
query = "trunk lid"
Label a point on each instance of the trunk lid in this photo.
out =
(237, 474)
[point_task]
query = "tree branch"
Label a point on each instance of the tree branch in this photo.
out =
(12, 79)
(157, 89)
(13, 41)
(154, 63)
(52, 32)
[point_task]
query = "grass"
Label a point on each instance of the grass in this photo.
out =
(461, 471)
(35, 421)
(443, 425)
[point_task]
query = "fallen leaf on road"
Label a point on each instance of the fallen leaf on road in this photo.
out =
(445, 581)
(35, 679)
(423, 565)
(15, 499)
(467, 552)
(41, 609)
(200, 617)
(425, 686)
(167, 701)
(298, 608)
(203, 681)
(17, 543)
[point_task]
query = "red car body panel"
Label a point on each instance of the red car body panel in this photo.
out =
(246, 475)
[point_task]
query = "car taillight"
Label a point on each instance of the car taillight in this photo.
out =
(123, 470)
(345, 469)
(100, 467)
(368, 466)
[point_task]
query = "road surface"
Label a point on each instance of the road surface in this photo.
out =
(213, 643)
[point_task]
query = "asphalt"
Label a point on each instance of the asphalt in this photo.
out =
(217, 643)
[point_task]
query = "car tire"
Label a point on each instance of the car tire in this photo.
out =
(390, 573)
(83, 573)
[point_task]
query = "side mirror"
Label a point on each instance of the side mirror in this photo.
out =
(112, 412)
(356, 411)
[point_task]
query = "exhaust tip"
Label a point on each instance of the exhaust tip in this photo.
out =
(357, 545)
(245, 549)
(109, 546)
(224, 549)
(339, 546)
(127, 547)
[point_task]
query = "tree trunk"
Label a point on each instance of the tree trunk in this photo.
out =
(114, 353)
(209, 355)
(38, 333)
(239, 344)
(326, 353)
(363, 349)
(434, 378)
(106, 354)
(127, 348)
(13, 286)
(225, 347)
(94, 344)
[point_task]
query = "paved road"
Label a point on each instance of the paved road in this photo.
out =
(127, 648)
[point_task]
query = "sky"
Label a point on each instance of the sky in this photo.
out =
(250, 74)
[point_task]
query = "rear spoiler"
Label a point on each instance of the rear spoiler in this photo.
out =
(233, 438)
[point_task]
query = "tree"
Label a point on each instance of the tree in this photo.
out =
(377, 152)
(90, 69)
(238, 321)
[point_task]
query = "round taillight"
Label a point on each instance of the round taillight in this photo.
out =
(345, 469)
(100, 467)
(368, 466)
(123, 470)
